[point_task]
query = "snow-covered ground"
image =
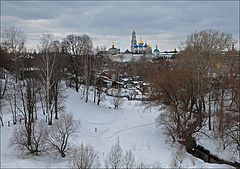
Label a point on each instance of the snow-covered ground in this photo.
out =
(132, 124)
(212, 144)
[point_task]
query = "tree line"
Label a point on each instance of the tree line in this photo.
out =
(200, 91)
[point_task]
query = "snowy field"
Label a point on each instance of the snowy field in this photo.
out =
(132, 124)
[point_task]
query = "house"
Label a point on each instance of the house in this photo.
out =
(103, 81)
(116, 84)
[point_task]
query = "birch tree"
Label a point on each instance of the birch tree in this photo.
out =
(88, 55)
(47, 64)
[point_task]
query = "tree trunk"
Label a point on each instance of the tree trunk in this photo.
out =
(94, 96)
(99, 97)
(1, 120)
(29, 140)
(1, 113)
(190, 143)
(221, 115)
(209, 112)
(42, 103)
(36, 115)
(63, 154)
(84, 89)
(29, 130)
(87, 92)
(50, 118)
(15, 105)
(76, 84)
(56, 100)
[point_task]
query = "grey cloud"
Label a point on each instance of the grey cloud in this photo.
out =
(166, 22)
(29, 10)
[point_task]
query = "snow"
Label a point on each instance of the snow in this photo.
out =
(132, 124)
(215, 148)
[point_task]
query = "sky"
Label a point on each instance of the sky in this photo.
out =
(162, 23)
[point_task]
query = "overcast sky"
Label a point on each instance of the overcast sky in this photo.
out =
(160, 23)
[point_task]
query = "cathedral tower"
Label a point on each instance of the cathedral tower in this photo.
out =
(133, 41)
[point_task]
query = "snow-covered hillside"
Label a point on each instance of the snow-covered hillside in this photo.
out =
(101, 126)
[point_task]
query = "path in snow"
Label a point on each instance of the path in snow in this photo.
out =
(129, 128)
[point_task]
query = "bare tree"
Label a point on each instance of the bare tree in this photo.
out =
(3, 88)
(117, 101)
(57, 135)
(50, 71)
(47, 65)
(229, 134)
(28, 89)
(84, 157)
(183, 88)
(115, 156)
(59, 98)
(28, 136)
(178, 156)
(14, 41)
(228, 120)
(180, 91)
(73, 46)
(79, 49)
(142, 165)
(87, 54)
(128, 160)
(205, 48)
(12, 98)
(56, 46)
(36, 143)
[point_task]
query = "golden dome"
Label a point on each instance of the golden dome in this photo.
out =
(141, 42)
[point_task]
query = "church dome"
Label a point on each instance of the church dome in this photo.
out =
(141, 42)
(156, 50)
(135, 46)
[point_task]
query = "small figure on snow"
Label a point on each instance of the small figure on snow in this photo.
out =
(95, 130)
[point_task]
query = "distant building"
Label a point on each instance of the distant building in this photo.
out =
(166, 55)
(127, 56)
(139, 47)
(156, 52)
(113, 50)
(139, 50)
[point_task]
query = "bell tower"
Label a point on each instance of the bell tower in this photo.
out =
(133, 41)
